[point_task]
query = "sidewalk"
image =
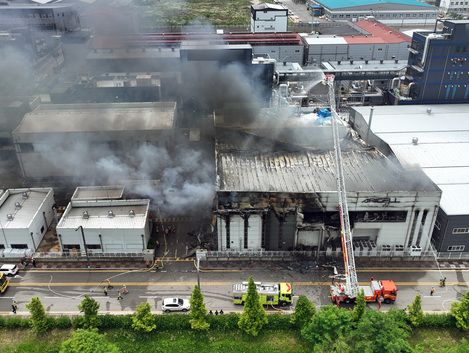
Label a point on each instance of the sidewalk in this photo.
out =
(305, 265)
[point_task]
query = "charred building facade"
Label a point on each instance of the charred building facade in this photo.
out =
(288, 201)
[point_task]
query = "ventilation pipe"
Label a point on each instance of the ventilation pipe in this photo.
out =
(370, 119)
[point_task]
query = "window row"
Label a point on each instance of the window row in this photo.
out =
(456, 248)
(461, 230)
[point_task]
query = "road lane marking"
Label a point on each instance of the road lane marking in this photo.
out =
(432, 296)
(7, 297)
(144, 270)
(205, 283)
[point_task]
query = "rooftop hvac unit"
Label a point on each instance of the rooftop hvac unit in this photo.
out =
(132, 213)
(9, 217)
(110, 214)
(85, 215)
(25, 195)
(415, 140)
(17, 205)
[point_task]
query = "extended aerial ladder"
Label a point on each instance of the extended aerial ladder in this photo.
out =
(351, 287)
(377, 290)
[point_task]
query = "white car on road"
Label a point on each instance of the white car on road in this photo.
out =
(175, 304)
(9, 270)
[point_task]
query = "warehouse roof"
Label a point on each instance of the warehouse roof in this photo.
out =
(309, 172)
(338, 4)
(98, 192)
(91, 117)
(442, 133)
(105, 214)
(377, 33)
(266, 6)
(18, 207)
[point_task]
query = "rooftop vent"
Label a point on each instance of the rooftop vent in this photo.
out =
(9, 217)
(17, 205)
(132, 213)
(429, 110)
(85, 215)
(110, 214)
(415, 140)
(24, 195)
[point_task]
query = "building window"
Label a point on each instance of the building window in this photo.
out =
(456, 248)
(460, 230)
(26, 147)
(93, 246)
(72, 247)
(297, 51)
(2, 246)
(246, 232)
(19, 246)
(437, 225)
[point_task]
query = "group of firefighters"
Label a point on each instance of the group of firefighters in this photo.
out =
(120, 291)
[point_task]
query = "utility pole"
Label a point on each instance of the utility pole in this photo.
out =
(84, 244)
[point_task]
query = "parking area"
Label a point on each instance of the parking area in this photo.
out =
(297, 10)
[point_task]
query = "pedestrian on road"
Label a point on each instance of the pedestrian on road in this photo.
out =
(216, 312)
(105, 291)
(432, 291)
(108, 284)
(119, 295)
(33, 262)
(380, 300)
(14, 306)
(124, 289)
(221, 312)
(443, 282)
(210, 312)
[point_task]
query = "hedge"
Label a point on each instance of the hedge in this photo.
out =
(180, 322)
(438, 321)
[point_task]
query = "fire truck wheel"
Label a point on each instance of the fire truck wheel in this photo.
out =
(387, 301)
(347, 301)
(283, 303)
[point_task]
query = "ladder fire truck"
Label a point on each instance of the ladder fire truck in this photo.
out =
(345, 288)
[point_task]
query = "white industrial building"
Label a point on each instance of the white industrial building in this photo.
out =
(434, 138)
(106, 226)
(375, 42)
(87, 131)
(98, 193)
(392, 12)
(25, 216)
(269, 18)
(454, 7)
(288, 201)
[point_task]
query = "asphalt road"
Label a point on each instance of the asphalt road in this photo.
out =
(62, 290)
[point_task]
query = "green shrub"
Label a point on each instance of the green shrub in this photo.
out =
(304, 312)
(109, 321)
(39, 320)
(61, 322)
(415, 311)
(143, 320)
(225, 322)
(438, 321)
(14, 322)
(280, 322)
(172, 322)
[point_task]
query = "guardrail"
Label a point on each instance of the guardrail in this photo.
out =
(82, 255)
(337, 254)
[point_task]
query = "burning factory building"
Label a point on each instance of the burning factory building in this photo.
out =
(286, 200)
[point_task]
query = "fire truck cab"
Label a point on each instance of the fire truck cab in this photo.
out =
(387, 290)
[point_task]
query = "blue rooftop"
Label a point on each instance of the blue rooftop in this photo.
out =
(337, 4)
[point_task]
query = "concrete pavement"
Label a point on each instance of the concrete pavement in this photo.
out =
(62, 290)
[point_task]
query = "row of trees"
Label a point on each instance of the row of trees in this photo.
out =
(331, 329)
